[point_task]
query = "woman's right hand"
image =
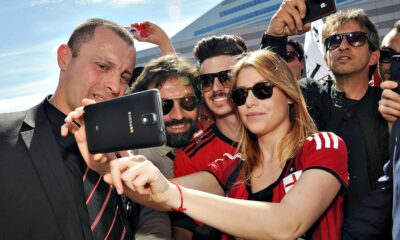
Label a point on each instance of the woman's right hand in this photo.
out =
(135, 176)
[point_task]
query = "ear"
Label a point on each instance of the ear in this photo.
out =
(326, 59)
(375, 55)
(289, 100)
(64, 55)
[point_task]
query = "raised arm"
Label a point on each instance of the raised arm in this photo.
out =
(286, 21)
(156, 35)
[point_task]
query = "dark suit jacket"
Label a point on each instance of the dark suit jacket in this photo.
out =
(36, 200)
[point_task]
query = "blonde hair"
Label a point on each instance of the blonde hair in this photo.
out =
(274, 69)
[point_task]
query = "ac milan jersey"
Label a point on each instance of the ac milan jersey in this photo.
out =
(324, 151)
(205, 147)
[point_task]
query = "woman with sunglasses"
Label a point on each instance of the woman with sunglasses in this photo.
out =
(294, 176)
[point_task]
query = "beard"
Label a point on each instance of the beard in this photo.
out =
(176, 140)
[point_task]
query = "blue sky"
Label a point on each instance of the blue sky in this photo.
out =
(32, 30)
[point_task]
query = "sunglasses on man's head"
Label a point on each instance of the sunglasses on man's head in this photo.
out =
(386, 55)
(291, 56)
(355, 39)
(261, 90)
(207, 80)
(188, 103)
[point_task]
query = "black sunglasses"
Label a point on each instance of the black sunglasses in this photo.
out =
(261, 90)
(207, 80)
(355, 39)
(291, 56)
(188, 103)
(386, 55)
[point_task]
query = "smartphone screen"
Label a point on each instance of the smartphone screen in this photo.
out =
(317, 9)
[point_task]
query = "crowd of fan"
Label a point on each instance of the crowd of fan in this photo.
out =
(254, 150)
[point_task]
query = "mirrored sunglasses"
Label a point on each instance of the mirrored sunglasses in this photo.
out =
(188, 103)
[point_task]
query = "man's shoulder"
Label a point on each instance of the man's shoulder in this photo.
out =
(312, 85)
(12, 122)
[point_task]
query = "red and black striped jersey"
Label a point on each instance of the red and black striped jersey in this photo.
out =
(205, 147)
(324, 151)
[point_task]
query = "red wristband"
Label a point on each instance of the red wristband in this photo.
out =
(180, 208)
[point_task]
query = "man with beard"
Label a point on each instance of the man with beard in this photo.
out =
(215, 55)
(174, 77)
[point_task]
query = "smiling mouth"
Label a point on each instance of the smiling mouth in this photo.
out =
(219, 99)
(178, 126)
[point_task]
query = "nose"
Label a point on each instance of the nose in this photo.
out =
(176, 111)
(113, 84)
(217, 86)
(344, 44)
(251, 99)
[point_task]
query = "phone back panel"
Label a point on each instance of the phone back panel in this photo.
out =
(395, 68)
(128, 122)
(317, 9)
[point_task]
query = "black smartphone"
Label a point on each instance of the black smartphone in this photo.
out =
(395, 68)
(317, 9)
(124, 123)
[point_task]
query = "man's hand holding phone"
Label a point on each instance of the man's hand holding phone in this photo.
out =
(287, 20)
(74, 123)
(389, 105)
(294, 17)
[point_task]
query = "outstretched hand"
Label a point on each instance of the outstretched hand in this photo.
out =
(138, 177)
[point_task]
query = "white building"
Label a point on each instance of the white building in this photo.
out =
(249, 18)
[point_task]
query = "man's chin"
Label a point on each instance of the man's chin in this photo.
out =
(177, 140)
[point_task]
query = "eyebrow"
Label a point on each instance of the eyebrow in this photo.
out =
(113, 65)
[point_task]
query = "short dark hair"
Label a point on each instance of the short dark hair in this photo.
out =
(85, 32)
(219, 45)
(297, 47)
(159, 70)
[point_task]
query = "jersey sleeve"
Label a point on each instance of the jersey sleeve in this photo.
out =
(182, 164)
(223, 168)
(328, 152)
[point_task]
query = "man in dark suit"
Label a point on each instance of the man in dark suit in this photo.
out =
(42, 191)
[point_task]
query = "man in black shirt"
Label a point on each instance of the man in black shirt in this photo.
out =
(47, 191)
